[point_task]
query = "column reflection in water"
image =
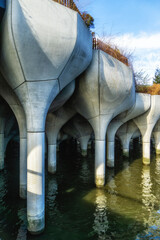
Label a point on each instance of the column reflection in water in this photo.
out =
(101, 223)
(51, 196)
(111, 187)
(148, 201)
(22, 232)
(85, 174)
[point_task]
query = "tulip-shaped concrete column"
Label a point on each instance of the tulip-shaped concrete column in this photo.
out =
(105, 90)
(54, 123)
(146, 123)
(57, 49)
(156, 134)
(141, 105)
(125, 133)
(79, 128)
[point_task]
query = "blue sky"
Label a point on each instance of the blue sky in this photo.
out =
(132, 24)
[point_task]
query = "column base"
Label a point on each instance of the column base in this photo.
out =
(89, 145)
(146, 161)
(158, 152)
(23, 191)
(36, 225)
(100, 181)
(1, 166)
(52, 169)
(84, 152)
(110, 163)
(125, 153)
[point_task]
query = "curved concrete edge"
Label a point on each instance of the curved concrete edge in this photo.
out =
(62, 97)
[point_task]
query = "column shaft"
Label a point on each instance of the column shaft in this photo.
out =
(35, 182)
(100, 147)
(52, 158)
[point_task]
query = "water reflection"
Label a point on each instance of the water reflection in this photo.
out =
(51, 195)
(111, 187)
(101, 223)
(22, 232)
(85, 172)
(150, 220)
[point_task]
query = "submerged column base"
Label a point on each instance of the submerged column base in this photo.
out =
(100, 181)
(146, 161)
(52, 158)
(126, 152)
(36, 224)
(23, 191)
(1, 164)
(84, 152)
(110, 163)
(158, 152)
(146, 153)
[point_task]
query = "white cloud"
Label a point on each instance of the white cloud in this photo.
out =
(145, 48)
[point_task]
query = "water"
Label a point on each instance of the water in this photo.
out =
(127, 208)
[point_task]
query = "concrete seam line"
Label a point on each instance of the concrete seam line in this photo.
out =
(19, 86)
(15, 44)
(44, 80)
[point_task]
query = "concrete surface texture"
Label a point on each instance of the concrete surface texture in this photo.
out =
(104, 90)
(137, 109)
(146, 123)
(38, 59)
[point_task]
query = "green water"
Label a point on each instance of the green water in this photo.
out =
(127, 208)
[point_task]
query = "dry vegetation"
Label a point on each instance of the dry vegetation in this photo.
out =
(97, 44)
(113, 51)
(153, 90)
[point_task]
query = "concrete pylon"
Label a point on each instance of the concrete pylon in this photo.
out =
(54, 123)
(54, 55)
(79, 128)
(146, 123)
(105, 90)
(125, 133)
(156, 134)
(141, 105)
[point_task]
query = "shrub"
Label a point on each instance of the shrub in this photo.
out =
(153, 90)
